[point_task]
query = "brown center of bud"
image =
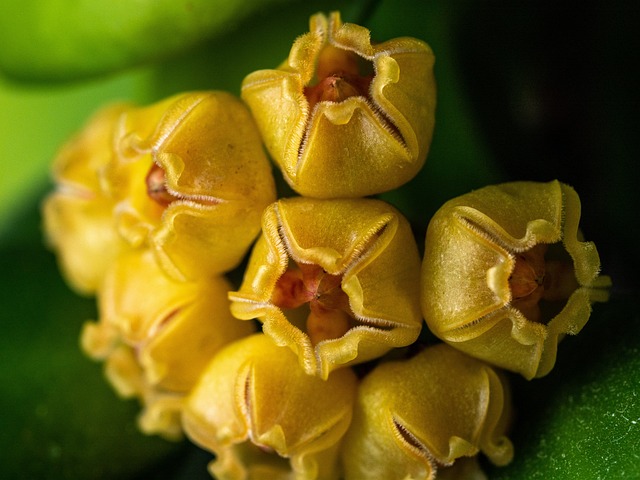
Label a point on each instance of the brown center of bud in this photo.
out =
(157, 186)
(338, 77)
(330, 314)
(536, 278)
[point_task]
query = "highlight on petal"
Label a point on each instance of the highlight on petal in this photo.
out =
(505, 275)
(416, 416)
(78, 215)
(337, 281)
(264, 417)
(345, 117)
(157, 334)
(192, 180)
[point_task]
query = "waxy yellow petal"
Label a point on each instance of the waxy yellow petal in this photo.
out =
(161, 409)
(368, 136)
(413, 415)
(264, 417)
(368, 249)
(213, 173)
(472, 246)
(169, 331)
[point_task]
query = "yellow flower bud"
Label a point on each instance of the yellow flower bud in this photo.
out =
(162, 409)
(415, 416)
(505, 275)
(170, 329)
(78, 216)
(335, 280)
(265, 418)
(197, 182)
(343, 117)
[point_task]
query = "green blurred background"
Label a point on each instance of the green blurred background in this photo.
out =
(532, 90)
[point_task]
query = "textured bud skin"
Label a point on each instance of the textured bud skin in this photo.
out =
(368, 246)
(415, 415)
(171, 329)
(78, 216)
(470, 255)
(372, 141)
(214, 180)
(265, 418)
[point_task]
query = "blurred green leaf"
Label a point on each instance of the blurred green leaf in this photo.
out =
(261, 41)
(60, 418)
(583, 420)
(35, 122)
(66, 39)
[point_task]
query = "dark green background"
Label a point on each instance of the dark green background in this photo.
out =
(531, 90)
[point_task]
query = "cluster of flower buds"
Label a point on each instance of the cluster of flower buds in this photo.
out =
(302, 371)
(153, 206)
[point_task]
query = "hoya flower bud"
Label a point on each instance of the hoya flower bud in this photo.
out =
(335, 280)
(193, 180)
(170, 329)
(162, 409)
(78, 216)
(343, 117)
(505, 275)
(265, 418)
(416, 416)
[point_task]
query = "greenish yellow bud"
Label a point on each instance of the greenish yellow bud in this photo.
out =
(505, 274)
(192, 180)
(157, 334)
(417, 417)
(186, 176)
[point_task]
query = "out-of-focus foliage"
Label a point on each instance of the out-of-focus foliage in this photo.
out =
(60, 419)
(66, 40)
(35, 121)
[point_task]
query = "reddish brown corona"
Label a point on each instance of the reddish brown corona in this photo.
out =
(310, 286)
(506, 275)
(339, 77)
(535, 279)
(157, 186)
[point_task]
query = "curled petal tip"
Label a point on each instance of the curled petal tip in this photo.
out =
(335, 280)
(503, 266)
(258, 411)
(344, 117)
(415, 417)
